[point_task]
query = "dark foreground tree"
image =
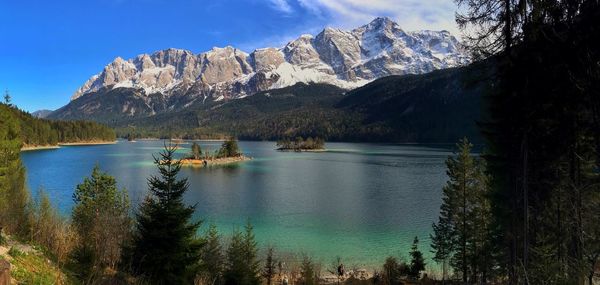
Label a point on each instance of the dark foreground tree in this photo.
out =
(441, 243)
(542, 132)
(268, 271)
(242, 267)
(165, 247)
(308, 274)
(212, 263)
(392, 271)
(417, 262)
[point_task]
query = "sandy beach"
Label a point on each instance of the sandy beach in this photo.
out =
(42, 147)
(86, 143)
(39, 147)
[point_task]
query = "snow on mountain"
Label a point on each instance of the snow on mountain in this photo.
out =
(347, 59)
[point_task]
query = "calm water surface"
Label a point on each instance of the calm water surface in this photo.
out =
(361, 202)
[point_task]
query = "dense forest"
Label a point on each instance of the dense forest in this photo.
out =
(300, 144)
(526, 212)
(41, 132)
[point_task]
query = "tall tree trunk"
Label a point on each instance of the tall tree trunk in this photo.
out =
(464, 226)
(524, 167)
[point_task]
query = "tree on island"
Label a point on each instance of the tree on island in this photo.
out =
(229, 148)
(299, 143)
(196, 151)
(165, 247)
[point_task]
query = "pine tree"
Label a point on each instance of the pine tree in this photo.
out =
(251, 252)
(235, 272)
(391, 271)
(14, 197)
(268, 271)
(165, 247)
(462, 234)
(196, 151)
(441, 243)
(458, 194)
(243, 267)
(229, 148)
(308, 273)
(212, 262)
(7, 98)
(417, 262)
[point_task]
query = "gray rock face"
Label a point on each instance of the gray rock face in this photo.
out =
(347, 59)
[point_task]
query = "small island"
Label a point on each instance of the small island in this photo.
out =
(300, 144)
(228, 153)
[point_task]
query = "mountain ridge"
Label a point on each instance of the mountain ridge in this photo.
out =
(347, 59)
(438, 107)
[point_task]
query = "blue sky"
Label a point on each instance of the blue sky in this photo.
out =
(48, 48)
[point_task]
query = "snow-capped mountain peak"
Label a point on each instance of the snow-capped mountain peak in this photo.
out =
(344, 58)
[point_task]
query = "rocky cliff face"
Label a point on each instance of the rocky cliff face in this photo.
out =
(347, 59)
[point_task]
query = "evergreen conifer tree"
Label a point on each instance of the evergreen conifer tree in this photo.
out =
(196, 151)
(308, 271)
(417, 262)
(212, 256)
(14, 197)
(243, 267)
(269, 270)
(462, 233)
(165, 247)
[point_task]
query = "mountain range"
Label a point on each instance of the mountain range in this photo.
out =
(262, 94)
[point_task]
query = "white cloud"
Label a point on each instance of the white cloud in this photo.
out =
(282, 5)
(410, 14)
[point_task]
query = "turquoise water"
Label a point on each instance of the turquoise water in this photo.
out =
(361, 202)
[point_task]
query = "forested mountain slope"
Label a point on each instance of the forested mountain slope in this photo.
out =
(42, 132)
(441, 106)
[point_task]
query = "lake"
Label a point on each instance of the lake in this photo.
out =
(361, 202)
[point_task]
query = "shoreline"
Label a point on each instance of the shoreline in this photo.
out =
(87, 143)
(39, 147)
(59, 145)
(301, 150)
(211, 162)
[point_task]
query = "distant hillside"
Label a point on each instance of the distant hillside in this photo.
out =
(441, 106)
(41, 113)
(42, 132)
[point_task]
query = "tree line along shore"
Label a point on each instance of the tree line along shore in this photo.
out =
(38, 133)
